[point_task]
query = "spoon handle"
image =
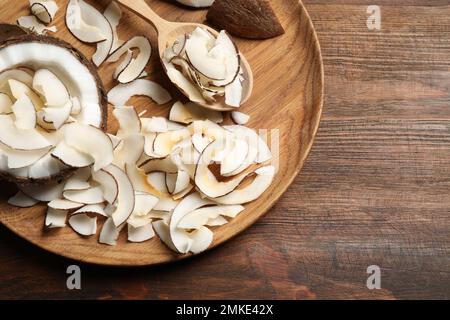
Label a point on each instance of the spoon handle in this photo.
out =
(142, 9)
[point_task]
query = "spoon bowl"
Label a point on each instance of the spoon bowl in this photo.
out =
(168, 32)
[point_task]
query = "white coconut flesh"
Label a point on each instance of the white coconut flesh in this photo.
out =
(109, 233)
(93, 195)
(55, 218)
(83, 224)
(200, 217)
(125, 198)
(239, 117)
(129, 151)
(140, 234)
(33, 24)
(190, 112)
(97, 209)
(71, 156)
(113, 14)
(89, 25)
(82, 22)
(91, 141)
(108, 184)
(180, 238)
(45, 11)
(196, 3)
(135, 66)
(64, 204)
(119, 95)
(204, 67)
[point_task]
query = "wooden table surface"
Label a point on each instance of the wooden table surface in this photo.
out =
(375, 189)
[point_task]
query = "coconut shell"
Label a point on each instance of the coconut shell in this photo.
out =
(11, 34)
(252, 19)
(8, 31)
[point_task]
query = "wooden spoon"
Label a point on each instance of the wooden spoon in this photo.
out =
(168, 32)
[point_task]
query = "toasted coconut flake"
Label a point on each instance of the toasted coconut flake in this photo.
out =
(217, 222)
(55, 218)
(136, 66)
(92, 209)
(205, 180)
(33, 24)
(50, 87)
(21, 200)
(24, 113)
(191, 112)
(71, 157)
(122, 66)
(257, 142)
(109, 233)
(160, 165)
(165, 142)
(239, 117)
(93, 195)
(183, 83)
(79, 180)
(113, 14)
(83, 224)
(20, 139)
(64, 204)
(129, 121)
(196, 3)
(201, 240)
(130, 150)
(233, 93)
(263, 180)
(180, 238)
(119, 95)
(235, 158)
(44, 10)
(83, 22)
(139, 180)
(92, 141)
(200, 217)
(108, 184)
(140, 234)
(163, 231)
(125, 198)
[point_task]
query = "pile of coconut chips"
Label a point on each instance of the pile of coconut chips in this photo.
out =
(178, 177)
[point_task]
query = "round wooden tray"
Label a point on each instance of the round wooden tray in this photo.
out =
(287, 97)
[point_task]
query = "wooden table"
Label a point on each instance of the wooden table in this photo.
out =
(375, 190)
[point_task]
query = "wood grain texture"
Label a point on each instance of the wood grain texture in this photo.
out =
(375, 189)
(297, 94)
